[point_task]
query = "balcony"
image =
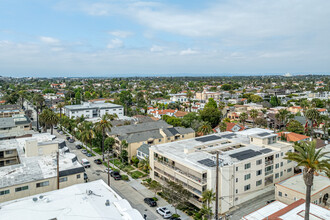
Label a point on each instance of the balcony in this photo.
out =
(177, 170)
(269, 162)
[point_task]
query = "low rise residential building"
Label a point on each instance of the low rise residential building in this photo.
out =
(292, 137)
(16, 123)
(148, 133)
(82, 201)
(179, 97)
(7, 111)
(294, 188)
(205, 95)
(93, 110)
(294, 211)
(249, 161)
(28, 166)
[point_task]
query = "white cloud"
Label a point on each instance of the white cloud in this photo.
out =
(115, 43)
(120, 34)
(156, 48)
(49, 40)
(188, 52)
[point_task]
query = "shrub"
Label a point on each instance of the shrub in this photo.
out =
(176, 216)
(124, 177)
(148, 180)
(155, 199)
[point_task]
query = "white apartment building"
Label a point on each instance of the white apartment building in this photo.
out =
(250, 161)
(179, 97)
(28, 166)
(93, 110)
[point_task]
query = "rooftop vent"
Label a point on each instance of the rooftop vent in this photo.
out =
(35, 199)
(107, 202)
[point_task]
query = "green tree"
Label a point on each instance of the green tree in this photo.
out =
(211, 103)
(243, 117)
(311, 159)
(49, 118)
(208, 196)
(295, 126)
(103, 126)
(22, 94)
(189, 96)
(312, 115)
(188, 119)
(39, 102)
(211, 114)
(254, 114)
(283, 115)
(125, 98)
(87, 134)
(155, 186)
(275, 101)
(223, 126)
(226, 87)
(78, 98)
(123, 151)
(255, 98)
(175, 194)
(205, 128)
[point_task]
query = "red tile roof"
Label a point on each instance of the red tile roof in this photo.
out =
(231, 125)
(292, 137)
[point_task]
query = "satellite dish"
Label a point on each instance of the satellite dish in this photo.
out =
(35, 199)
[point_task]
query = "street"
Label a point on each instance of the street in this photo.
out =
(132, 190)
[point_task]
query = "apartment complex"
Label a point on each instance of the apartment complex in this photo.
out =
(82, 201)
(205, 95)
(93, 110)
(249, 161)
(294, 189)
(15, 123)
(28, 166)
(10, 110)
(156, 132)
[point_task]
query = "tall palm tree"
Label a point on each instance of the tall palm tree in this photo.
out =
(312, 115)
(189, 96)
(205, 128)
(305, 105)
(87, 134)
(208, 196)
(103, 126)
(243, 117)
(311, 160)
(282, 116)
(49, 118)
(254, 114)
(40, 101)
(22, 94)
(123, 146)
(60, 106)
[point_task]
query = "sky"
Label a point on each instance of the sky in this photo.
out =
(72, 38)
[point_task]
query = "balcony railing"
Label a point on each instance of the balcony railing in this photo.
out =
(268, 172)
(269, 162)
(199, 180)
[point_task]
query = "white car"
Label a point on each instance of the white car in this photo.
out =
(163, 211)
(85, 163)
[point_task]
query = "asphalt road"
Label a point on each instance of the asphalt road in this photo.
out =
(132, 190)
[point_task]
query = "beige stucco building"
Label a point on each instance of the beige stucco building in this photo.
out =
(294, 188)
(28, 166)
(250, 161)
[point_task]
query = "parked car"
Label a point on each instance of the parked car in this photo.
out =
(85, 177)
(84, 151)
(98, 161)
(55, 127)
(175, 218)
(163, 211)
(60, 132)
(89, 155)
(116, 175)
(270, 201)
(71, 140)
(78, 146)
(150, 201)
(108, 170)
(68, 138)
(85, 163)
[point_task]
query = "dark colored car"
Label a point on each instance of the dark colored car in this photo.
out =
(151, 202)
(68, 138)
(98, 161)
(85, 177)
(116, 175)
(78, 146)
(71, 140)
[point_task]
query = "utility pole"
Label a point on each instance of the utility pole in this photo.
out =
(217, 188)
(58, 169)
(108, 172)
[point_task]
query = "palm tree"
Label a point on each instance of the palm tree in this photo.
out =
(208, 197)
(49, 118)
(305, 105)
(22, 95)
(144, 165)
(312, 115)
(103, 126)
(243, 117)
(123, 146)
(60, 106)
(87, 134)
(311, 160)
(40, 101)
(205, 128)
(282, 116)
(189, 96)
(325, 120)
(254, 114)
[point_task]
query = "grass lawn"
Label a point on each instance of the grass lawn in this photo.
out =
(136, 174)
(97, 150)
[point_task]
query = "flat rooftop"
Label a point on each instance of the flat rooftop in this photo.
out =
(297, 183)
(89, 105)
(80, 201)
(200, 153)
(35, 168)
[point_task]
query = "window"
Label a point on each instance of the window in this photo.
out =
(42, 184)
(63, 179)
(236, 168)
(289, 161)
(295, 198)
(286, 195)
(247, 176)
(236, 180)
(259, 182)
(4, 192)
(251, 139)
(182, 136)
(236, 191)
(22, 188)
(259, 172)
(277, 166)
(280, 193)
(247, 166)
(277, 175)
(282, 154)
(289, 170)
(9, 151)
(78, 176)
(281, 173)
(281, 164)
(247, 187)
(168, 139)
(259, 162)
(159, 140)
